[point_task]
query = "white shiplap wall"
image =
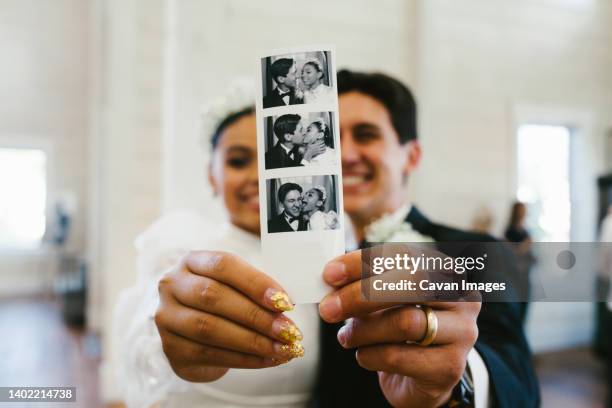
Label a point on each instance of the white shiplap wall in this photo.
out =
(482, 65)
(44, 104)
(215, 43)
(127, 139)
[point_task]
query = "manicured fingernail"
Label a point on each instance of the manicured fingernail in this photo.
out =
(280, 300)
(342, 333)
(335, 273)
(275, 361)
(293, 350)
(330, 308)
(286, 330)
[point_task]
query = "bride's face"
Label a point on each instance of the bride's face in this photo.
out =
(313, 134)
(310, 75)
(311, 200)
(233, 173)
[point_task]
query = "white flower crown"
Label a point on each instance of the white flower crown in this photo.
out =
(323, 192)
(316, 62)
(240, 95)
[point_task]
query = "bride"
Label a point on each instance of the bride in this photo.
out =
(286, 375)
(314, 202)
(319, 132)
(314, 90)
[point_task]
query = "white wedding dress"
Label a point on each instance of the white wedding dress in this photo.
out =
(321, 94)
(144, 371)
(327, 158)
(323, 221)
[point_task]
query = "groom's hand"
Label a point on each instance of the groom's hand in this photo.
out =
(409, 375)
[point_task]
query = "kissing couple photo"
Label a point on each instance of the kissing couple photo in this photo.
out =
(293, 140)
(297, 79)
(292, 207)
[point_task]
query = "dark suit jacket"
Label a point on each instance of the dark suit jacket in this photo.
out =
(501, 344)
(277, 158)
(279, 224)
(273, 99)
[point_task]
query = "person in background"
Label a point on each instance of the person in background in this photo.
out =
(483, 220)
(517, 234)
(603, 335)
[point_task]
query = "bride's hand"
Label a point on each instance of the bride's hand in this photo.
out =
(313, 150)
(217, 312)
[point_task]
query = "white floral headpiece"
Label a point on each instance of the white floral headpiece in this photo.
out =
(240, 95)
(322, 124)
(323, 192)
(316, 62)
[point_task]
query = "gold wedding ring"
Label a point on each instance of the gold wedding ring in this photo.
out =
(432, 327)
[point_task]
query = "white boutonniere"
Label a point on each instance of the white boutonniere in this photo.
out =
(393, 228)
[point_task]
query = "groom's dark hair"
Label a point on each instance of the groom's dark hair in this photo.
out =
(281, 67)
(286, 124)
(285, 189)
(394, 95)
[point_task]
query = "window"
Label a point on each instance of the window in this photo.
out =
(544, 180)
(23, 191)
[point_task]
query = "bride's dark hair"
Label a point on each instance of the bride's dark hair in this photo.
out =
(228, 121)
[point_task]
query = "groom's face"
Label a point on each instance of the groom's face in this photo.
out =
(298, 135)
(375, 164)
(293, 203)
(289, 79)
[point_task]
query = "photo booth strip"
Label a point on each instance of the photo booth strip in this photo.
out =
(296, 258)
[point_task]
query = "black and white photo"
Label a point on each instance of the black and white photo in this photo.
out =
(299, 78)
(303, 204)
(294, 140)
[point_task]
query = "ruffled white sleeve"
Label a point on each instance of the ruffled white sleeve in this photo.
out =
(144, 373)
(317, 221)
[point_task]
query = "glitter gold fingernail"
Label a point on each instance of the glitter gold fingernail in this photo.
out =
(290, 333)
(280, 301)
(293, 350)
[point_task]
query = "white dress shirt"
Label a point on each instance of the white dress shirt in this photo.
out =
(285, 96)
(295, 224)
(321, 94)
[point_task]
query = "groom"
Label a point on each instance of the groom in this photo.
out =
(283, 73)
(290, 131)
(365, 360)
(290, 196)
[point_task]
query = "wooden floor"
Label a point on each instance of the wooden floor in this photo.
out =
(37, 349)
(571, 378)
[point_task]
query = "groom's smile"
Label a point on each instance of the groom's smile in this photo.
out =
(374, 162)
(293, 203)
